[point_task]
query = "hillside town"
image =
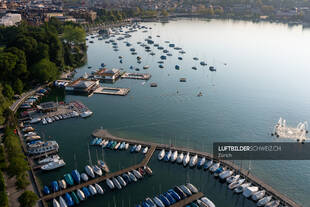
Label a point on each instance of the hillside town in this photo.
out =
(87, 11)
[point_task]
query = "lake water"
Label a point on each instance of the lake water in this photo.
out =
(266, 76)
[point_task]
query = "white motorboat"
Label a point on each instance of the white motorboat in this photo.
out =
(92, 190)
(258, 195)
(46, 147)
(225, 174)
(174, 156)
(80, 194)
(30, 134)
(132, 177)
(137, 174)
(186, 190)
(201, 162)
(214, 167)
(264, 201)
(144, 151)
(274, 203)
(248, 191)
(138, 148)
(99, 189)
(102, 142)
(62, 202)
(62, 184)
(232, 179)
(53, 165)
(86, 114)
(193, 161)
(105, 143)
(180, 158)
(75, 114)
(117, 145)
(126, 146)
(116, 183)
(89, 171)
(97, 170)
(192, 188)
(241, 188)
(207, 201)
(44, 121)
(121, 181)
(35, 120)
(55, 203)
(236, 184)
(84, 177)
(49, 159)
(158, 202)
(49, 120)
(161, 154)
(186, 159)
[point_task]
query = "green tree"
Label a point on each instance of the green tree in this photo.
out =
(8, 91)
(28, 199)
(18, 86)
(44, 71)
(73, 35)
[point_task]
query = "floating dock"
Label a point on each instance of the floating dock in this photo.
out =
(112, 91)
(244, 173)
(139, 76)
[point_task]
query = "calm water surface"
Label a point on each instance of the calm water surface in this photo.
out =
(266, 77)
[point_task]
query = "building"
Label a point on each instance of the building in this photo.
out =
(48, 107)
(82, 85)
(105, 74)
(10, 19)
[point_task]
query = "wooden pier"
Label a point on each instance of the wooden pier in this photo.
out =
(112, 91)
(188, 200)
(244, 173)
(102, 178)
(139, 76)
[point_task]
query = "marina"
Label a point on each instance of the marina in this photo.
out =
(177, 110)
(250, 178)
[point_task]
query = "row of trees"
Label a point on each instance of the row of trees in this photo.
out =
(18, 166)
(37, 54)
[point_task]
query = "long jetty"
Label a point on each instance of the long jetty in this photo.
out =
(102, 178)
(245, 173)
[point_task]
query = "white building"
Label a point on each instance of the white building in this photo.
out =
(10, 19)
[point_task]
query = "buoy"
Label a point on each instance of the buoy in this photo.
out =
(271, 134)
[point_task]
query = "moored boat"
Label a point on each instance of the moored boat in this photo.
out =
(193, 161)
(249, 191)
(110, 183)
(76, 176)
(264, 201)
(92, 190)
(161, 154)
(99, 189)
(69, 179)
(186, 159)
(116, 183)
(174, 156)
(84, 177)
(207, 201)
(89, 171)
(258, 195)
(53, 165)
(180, 158)
(80, 194)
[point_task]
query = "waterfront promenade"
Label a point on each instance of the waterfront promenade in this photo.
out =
(244, 173)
